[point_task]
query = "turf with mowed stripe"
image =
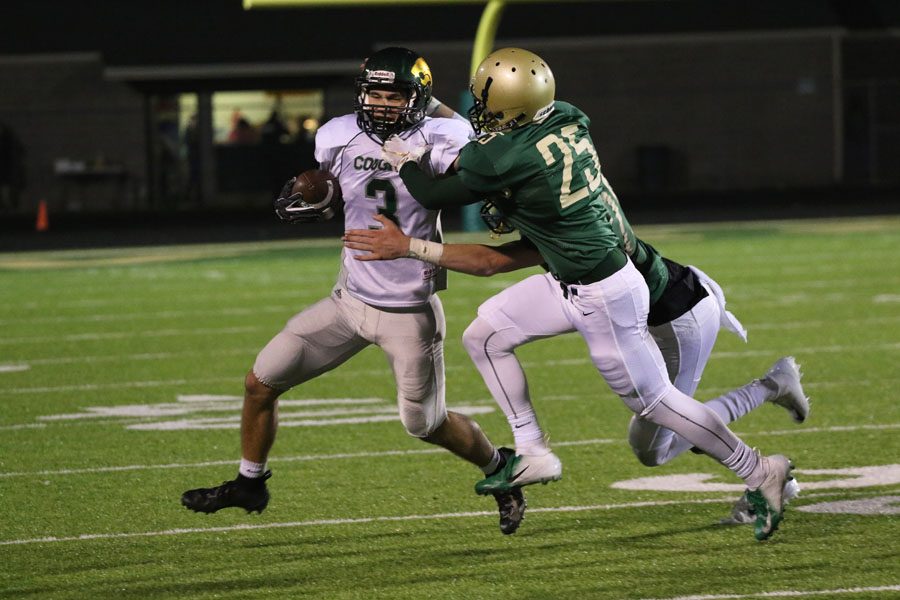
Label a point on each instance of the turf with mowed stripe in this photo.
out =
(120, 380)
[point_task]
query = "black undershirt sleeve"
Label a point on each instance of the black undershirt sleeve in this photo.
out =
(435, 194)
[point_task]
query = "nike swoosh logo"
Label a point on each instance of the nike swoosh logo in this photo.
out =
(516, 476)
(590, 313)
(522, 425)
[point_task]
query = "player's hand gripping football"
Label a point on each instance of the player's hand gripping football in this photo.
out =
(398, 151)
(386, 243)
(290, 206)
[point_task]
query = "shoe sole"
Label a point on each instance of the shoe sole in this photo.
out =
(508, 486)
(258, 509)
(514, 525)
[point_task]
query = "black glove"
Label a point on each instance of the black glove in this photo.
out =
(291, 207)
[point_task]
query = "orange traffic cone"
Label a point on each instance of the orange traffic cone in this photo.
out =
(43, 222)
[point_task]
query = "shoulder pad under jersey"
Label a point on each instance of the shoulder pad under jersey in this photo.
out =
(446, 138)
(332, 137)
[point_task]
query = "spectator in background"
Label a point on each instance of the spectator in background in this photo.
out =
(242, 132)
(192, 156)
(273, 131)
(12, 168)
(275, 152)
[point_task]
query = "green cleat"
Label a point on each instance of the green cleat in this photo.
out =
(521, 470)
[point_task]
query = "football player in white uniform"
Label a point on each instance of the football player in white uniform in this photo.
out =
(390, 304)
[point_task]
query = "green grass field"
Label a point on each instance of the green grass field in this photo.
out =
(120, 372)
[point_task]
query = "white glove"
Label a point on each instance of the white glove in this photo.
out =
(398, 151)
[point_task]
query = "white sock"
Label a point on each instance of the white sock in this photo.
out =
(528, 434)
(492, 353)
(251, 470)
(492, 466)
(746, 464)
(733, 405)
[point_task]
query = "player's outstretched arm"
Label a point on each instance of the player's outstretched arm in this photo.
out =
(436, 193)
(389, 243)
(439, 110)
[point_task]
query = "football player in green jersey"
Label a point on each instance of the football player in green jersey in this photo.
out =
(687, 309)
(536, 162)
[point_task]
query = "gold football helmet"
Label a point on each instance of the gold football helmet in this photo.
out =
(512, 87)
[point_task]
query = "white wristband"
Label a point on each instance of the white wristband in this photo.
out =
(429, 252)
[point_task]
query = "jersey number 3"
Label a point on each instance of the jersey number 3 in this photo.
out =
(588, 180)
(383, 192)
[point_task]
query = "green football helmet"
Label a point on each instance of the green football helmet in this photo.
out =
(511, 87)
(393, 69)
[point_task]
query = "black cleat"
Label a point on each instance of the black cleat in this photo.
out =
(511, 502)
(249, 494)
(512, 509)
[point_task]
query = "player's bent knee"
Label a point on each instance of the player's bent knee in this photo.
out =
(257, 391)
(474, 337)
(481, 339)
(641, 438)
(418, 420)
(648, 459)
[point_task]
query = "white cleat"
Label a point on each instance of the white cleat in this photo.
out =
(522, 469)
(742, 512)
(785, 376)
(768, 499)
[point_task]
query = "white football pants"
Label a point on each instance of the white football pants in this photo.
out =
(328, 333)
(611, 317)
(686, 344)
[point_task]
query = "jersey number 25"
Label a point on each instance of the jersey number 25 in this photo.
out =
(590, 179)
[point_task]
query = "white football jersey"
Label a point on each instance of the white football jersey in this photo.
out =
(370, 186)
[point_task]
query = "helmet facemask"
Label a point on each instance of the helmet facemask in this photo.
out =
(494, 218)
(482, 119)
(392, 70)
(384, 120)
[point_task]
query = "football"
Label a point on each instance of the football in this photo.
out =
(320, 188)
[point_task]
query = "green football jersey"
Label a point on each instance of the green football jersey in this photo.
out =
(644, 256)
(546, 179)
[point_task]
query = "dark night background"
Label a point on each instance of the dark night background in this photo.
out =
(701, 109)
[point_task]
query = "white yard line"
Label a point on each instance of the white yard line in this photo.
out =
(86, 387)
(23, 426)
(364, 520)
(174, 331)
(148, 356)
(148, 315)
(153, 315)
(738, 292)
(281, 459)
(386, 453)
(787, 593)
(117, 335)
(140, 356)
(236, 380)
